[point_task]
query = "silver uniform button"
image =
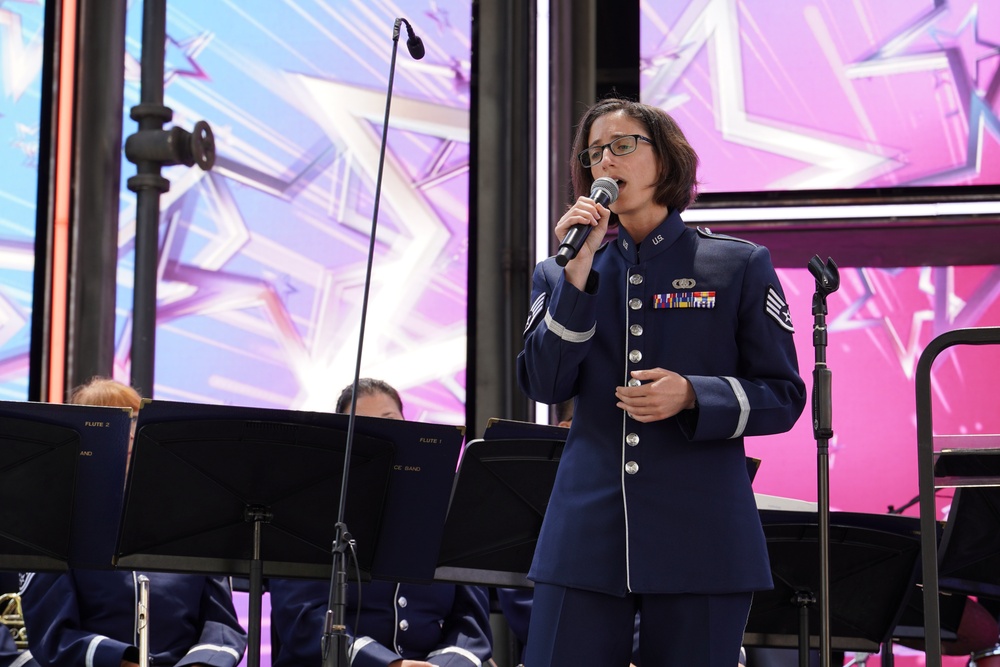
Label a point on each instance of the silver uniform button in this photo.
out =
(635, 304)
(401, 602)
(635, 279)
(635, 329)
(632, 439)
(635, 356)
(634, 382)
(404, 625)
(631, 467)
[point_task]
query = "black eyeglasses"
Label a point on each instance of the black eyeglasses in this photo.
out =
(620, 146)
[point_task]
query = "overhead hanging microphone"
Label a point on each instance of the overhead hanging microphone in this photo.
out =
(334, 643)
(414, 44)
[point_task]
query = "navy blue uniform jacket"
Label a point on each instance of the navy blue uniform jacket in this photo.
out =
(663, 507)
(85, 618)
(443, 624)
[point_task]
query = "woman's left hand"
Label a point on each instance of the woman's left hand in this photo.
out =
(662, 395)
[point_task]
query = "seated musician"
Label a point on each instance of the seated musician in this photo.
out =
(87, 618)
(399, 625)
(11, 654)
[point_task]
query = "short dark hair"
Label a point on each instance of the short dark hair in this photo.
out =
(368, 387)
(678, 182)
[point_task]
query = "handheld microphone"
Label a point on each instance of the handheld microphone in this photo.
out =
(604, 191)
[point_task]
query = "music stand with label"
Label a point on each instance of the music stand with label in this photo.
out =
(238, 491)
(62, 471)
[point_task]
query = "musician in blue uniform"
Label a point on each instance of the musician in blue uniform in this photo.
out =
(10, 654)
(676, 344)
(88, 618)
(398, 625)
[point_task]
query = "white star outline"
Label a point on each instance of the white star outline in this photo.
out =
(397, 344)
(903, 53)
(946, 310)
(21, 59)
(831, 164)
(346, 114)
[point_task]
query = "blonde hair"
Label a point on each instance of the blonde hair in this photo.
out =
(107, 392)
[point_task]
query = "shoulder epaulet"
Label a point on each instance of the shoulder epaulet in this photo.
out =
(707, 233)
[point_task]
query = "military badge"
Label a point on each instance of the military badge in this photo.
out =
(684, 300)
(535, 314)
(777, 309)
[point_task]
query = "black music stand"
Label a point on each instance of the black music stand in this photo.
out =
(500, 496)
(510, 429)
(911, 621)
(37, 475)
(238, 491)
(62, 469)
(501, 493)
(969, 553)
(873, 560)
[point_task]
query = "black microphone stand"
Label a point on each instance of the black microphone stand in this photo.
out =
(334, 645)
(827, 282)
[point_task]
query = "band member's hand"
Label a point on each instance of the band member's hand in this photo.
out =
(410, 663)
(584, 212)
(661, 395)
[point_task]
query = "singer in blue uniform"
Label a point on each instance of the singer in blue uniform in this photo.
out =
(676, 344)
(391, 624)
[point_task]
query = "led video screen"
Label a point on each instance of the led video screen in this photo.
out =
(21, 48)
(876, 95)
(263, 258)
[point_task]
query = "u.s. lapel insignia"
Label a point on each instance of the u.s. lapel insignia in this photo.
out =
(777, 309)
(684, 283)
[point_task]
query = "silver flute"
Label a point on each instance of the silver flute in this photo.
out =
(143, 620)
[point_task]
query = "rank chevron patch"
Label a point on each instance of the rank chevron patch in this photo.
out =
(777, 309)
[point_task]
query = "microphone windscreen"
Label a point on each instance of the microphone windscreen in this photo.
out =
(416, 47)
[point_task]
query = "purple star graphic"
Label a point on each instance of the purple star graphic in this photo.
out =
(181, 58)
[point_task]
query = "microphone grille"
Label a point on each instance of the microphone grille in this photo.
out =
(607, 186)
